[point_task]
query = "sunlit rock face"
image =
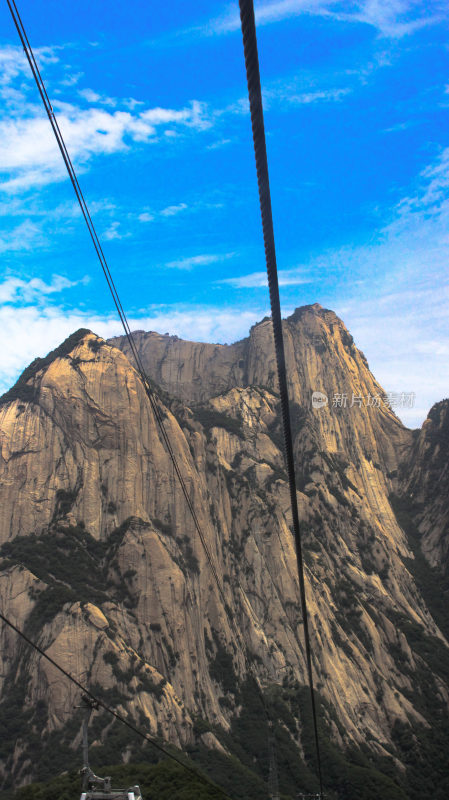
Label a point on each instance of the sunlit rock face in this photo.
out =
(103, 566)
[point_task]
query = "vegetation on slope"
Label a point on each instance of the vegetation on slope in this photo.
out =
(164, 781)
(424, 748)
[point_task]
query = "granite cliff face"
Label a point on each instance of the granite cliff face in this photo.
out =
(427, 485)
(101, 562)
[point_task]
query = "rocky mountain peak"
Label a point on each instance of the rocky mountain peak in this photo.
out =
(100, 560)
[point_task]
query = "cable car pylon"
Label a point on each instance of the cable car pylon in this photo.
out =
(93, 787)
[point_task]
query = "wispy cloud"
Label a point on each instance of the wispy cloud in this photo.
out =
(175, 209)
(219, 144)
(71, 79)
(405, 337)
(93, 97)
(34, 233)
(390, 19)
(430, 201)
(114, 231)
(258, 280)
(15, 290)
(96, 98)
(322, 95)
(13, 65)
(202, 260)
(172, 211)
(400, 126)
(195, 115)
(396, 293)
(288, 93)
(145, 216)
(29, 156)
(22, 237)
(15, 207)
(34, 330)
(101, 125)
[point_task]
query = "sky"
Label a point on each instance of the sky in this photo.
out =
(151, 99)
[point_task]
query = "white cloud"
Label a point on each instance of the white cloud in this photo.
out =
(145, 216)
(203, 324)
(15, 207)
(94, 97)
(114, 232)
(21, 238)
(34, 331)
(394, 292)
(400, 126)
(299, 90)
(322, 95)
(198, 261)
(218, 144)
(405, 339)
(258, 280)
(17, 290)
(29, 155)
(13, 62)
(171, 211)
(431, 199)
(33, 178)
(72, 79)
(289, 92)
(390, 18)
(196, 115)
(399, 356)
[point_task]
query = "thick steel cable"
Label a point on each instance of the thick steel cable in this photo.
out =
(84, 208)
(260, 150)
(110, 710)
(111, 285)
(140, 368)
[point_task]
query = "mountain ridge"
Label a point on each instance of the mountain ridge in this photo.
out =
(77, 474)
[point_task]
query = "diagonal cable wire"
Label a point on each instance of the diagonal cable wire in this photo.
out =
(104, 265)
(96, 242)
(110, 710)
(260, 150)
(140, 368)
(121, 313)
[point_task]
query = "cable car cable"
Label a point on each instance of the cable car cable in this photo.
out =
(111, 285)
(140, 368)
(260, 151)
(110, 710)
(93, 234)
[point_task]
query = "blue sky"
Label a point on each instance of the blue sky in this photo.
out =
(151, 99)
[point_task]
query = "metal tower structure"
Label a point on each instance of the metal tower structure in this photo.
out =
(94, 787)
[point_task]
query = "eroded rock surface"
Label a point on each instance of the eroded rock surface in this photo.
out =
(102, 563)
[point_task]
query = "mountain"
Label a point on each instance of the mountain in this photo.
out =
(102, 565)
(427, 485)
